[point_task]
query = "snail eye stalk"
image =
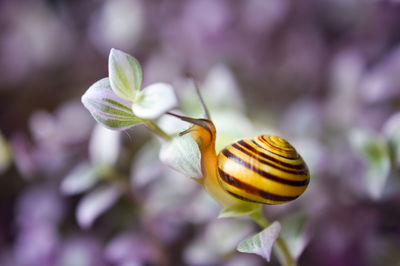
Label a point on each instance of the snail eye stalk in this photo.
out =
(204, 123)
(206, 112)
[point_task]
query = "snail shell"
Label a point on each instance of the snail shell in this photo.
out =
(265, 169)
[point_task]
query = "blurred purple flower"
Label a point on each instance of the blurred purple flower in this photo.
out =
(55, 136)
(245, 259)
(342, 230)
(303, 118)
(201, 26)
(39, 205)
(347, 69)
(38, 212)
(69, 124)
(35, 37)
(131, 249)
(22, 152)
(36, 246)
(6, 258)
(117, 24)
(80, 251)
(381, 82)
(260, 17)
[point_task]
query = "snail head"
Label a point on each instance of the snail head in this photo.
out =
(202, 130)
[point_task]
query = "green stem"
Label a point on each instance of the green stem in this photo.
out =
(155, 129)
(281, 249)
(259, 218)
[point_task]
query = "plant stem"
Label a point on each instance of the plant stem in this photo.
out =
(283, 254)
(257, 217)
(158, 131)
(281, 249)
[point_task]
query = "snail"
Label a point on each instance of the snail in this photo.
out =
(265, 169)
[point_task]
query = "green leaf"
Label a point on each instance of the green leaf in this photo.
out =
(154, 101)
(374, 151)
(293, 233)
(262, 242)
(107, 108)
(391, 130)
(125, 74)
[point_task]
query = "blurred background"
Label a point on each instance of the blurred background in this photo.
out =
(323, 74)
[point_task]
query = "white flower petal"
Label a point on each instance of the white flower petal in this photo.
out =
(154, 100)
(107, 108)
(125, 74)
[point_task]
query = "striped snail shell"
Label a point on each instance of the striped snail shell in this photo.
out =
(265, 169)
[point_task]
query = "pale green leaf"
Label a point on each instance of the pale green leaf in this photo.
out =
(262, 242)
(96, 203)
(293, 233)
(104, 146)
(154, 101)
(391, 130)
(107, 108)
(219, 83)
(146, 166)
(223, 121)
(183, 155)
(374, 151)
(81, 178)
(125, 74)
(219, 90)
(219, 238)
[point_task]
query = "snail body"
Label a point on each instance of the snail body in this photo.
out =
(265, 169)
